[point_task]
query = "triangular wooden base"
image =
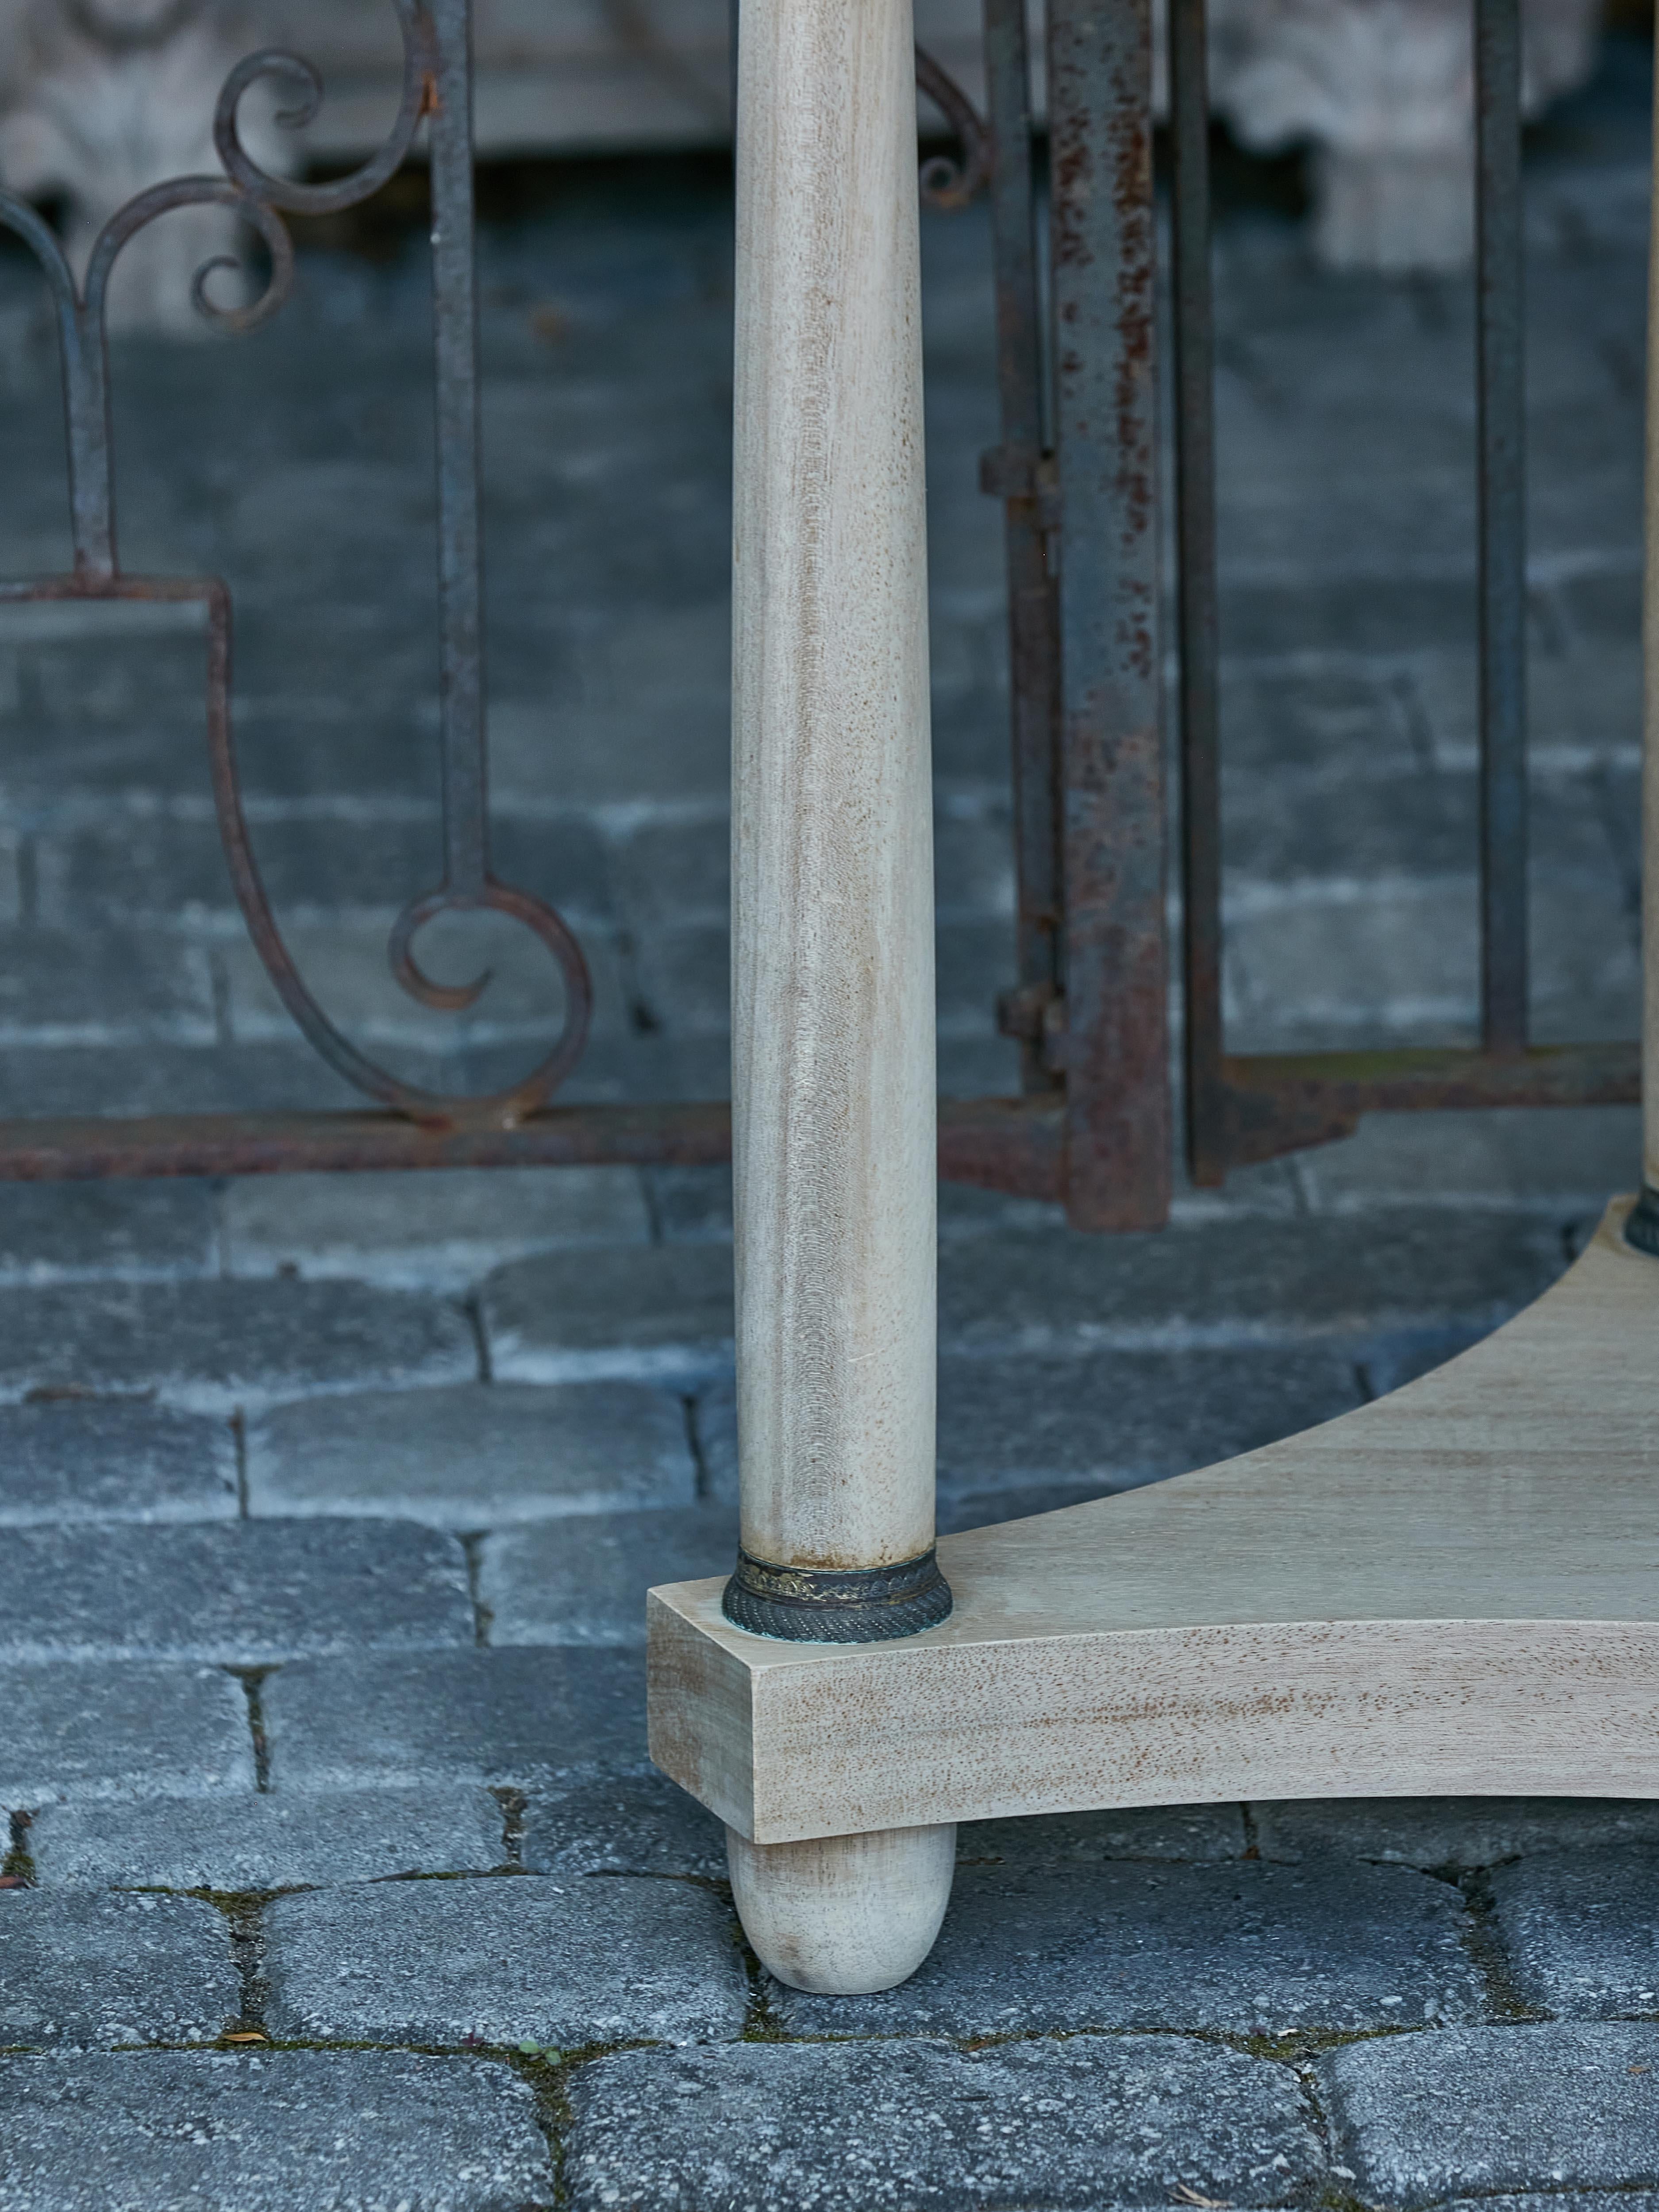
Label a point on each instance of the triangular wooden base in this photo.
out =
(1453, 1590)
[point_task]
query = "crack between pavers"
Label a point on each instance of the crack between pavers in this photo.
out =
(701, 1487)
(18, 1865)
(239, 1441)
(515, 1810)
(483, 1615)
(1484, 1946)
(252, 1680)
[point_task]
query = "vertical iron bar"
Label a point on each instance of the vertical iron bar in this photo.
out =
(1501, 411)
(455, 328)
(1195, 527)
(1116, 1047)
(1032, 641)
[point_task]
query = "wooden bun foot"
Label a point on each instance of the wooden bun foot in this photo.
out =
(844, 1914)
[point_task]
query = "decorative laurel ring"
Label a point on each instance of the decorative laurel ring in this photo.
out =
(846, 1605)
(1642, 1223)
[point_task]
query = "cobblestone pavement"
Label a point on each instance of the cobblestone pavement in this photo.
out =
(337, 1875)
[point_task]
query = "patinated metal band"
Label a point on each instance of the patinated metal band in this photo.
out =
(1642, 1222)
(819, 1605)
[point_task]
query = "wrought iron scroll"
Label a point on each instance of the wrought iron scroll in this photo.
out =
(948, 183)
(436, 88)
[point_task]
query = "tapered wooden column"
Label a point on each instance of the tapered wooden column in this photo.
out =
(833, 1063)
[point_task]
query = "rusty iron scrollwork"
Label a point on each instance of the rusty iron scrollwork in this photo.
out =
(436, 87)
(948, 183)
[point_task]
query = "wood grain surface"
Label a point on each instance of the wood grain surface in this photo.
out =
(833, 1079)
(1453, 1590)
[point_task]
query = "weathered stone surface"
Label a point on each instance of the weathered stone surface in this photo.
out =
(148, 1232)
(1112, 1420)
(475, 1455)
(1199, 1832)
(1550, 1163)
(506, 1961)
(1244, 1947)
(861, 2128)
(516, 1716)
(631, 1823)
(1581, 1929)
(584, 1581)
(1420, 2118)
(266, 1840)
(359, 2131)
(214, 1345)
(1235, 1281)
(89, 1966)
(662, 1311)
(113, 1459)
(132, 1730)
(82, 985)
(468, 1220)
(242, 1592)
(1447, 1831)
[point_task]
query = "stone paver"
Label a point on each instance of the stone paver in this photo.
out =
(1421, 2119)
(883, 2127)
(1256, 1948)
(1407, 1274)
(268, 1841)
(147, 1231)
(242, 1592)
(112, 1460)
(84, 1968)
(520, 1716)
(473, 1457)
(346, 2131)
(1447, 1831)
(468, 1221)
(666, 1310)
(1110, 1420)
(216, 1346)
(659, 1312)
(584, 1581)
(629, 1824)
(507, 1960)
(1581, 1929)
(124, 1730)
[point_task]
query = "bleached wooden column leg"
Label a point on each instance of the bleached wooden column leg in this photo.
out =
(833, 1068)
(1642, 1227)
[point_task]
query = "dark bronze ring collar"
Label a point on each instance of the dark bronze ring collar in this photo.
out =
(821, 1605)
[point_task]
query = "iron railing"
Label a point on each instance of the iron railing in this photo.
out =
(1076, 469)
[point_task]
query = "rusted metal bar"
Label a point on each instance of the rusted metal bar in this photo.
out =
(1114, 1046)
(1283, 1102)
(1501, 413)
(1195, 540)
(1011, 1145)
(1020, 471)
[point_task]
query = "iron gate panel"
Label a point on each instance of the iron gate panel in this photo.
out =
(1077, 469)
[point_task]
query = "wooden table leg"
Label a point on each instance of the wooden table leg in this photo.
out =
(833, 1055)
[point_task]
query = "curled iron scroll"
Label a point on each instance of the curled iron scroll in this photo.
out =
(436, 84)
(949, 184)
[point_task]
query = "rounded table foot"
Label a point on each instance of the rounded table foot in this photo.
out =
(844, 1914)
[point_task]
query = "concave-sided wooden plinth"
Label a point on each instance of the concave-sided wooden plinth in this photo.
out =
(1455, 1590)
